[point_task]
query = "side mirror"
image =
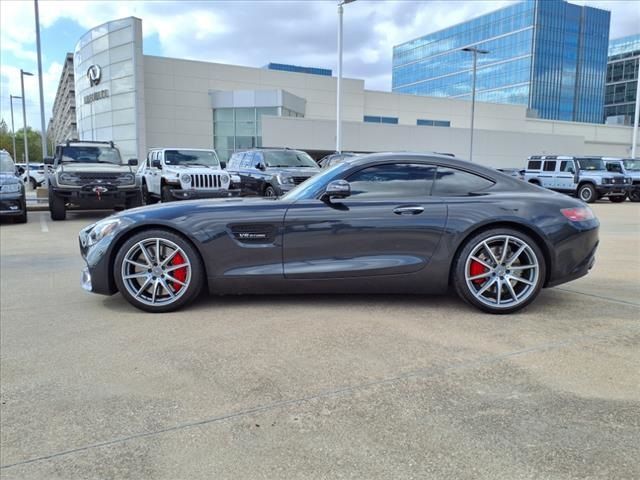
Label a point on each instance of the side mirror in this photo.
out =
(156, 164)
(223, 164)
(132, 162)
(261, 166)
(337, 189)
(48, 160)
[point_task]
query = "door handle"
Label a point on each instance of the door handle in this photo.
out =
(409, 210)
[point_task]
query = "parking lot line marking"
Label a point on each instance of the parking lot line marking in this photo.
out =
(423, 372)
(43, 223)
(624, 302)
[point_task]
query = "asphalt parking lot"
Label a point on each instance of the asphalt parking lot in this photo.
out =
(316, 386)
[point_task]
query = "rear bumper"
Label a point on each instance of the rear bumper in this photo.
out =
(180, 194)
(575, 256)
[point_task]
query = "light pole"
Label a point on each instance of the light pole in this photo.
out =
(24, 119)
(13, 130)
(44, 140)
(635, 116)
(341, 3)
(475, 52)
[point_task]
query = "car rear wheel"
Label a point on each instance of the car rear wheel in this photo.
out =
(634, 195)
(587, 193)
(499, 271)
(146, 196)
(33, 183)
(158, 271)
(165, 194)
(617, 198)
(270, 191)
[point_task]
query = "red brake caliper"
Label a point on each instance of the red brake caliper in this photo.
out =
(180, 273)
(476, 268)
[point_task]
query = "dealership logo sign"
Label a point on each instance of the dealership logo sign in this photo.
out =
(94, 74)
(92, 97)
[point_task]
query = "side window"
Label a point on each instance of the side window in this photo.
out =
(614, 167)
(257, 158)
(148, 161)
(534, 164)
(246, 160)
(550, 166)
(456, 183)
(392, 180)
(567, 166)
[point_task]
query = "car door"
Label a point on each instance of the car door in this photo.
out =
(565, 177)
(155, 174)
(389, 225)
(548, 174)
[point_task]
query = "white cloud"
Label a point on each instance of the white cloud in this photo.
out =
(257, 32)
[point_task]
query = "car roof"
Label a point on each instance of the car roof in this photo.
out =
(183, 148)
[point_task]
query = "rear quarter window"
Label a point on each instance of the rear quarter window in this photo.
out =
(451, 182)
(534, 164)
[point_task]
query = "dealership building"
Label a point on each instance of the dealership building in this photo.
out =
(142, 101)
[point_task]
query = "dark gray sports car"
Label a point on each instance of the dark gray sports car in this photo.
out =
(385, 223)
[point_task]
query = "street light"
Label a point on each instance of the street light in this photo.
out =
(24, 119)
(475, 52)
(341, 3)
(13, 130)
(635, 116)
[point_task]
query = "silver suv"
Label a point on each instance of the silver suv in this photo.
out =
(629, 167)
(585, 177)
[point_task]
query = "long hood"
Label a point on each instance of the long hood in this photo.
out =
(95, 167)
(191, 170)
(600, 174)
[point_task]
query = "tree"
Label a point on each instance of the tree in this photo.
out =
(33, 141)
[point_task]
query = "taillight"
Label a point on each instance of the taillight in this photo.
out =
(579, 214)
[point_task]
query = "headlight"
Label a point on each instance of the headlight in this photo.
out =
(282, 179)
(11, 188)
(101, 230)
(627, 180)
(67, 178)
(185, 178)
(127, 179)
(224, 177)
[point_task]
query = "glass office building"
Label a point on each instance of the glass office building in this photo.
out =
(547, 54)
(622, 80)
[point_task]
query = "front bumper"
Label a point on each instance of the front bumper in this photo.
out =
(12, 204)
(613, 189)
(183, 194)
(97, 195)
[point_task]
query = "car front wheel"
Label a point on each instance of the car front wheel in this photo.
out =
(587, 193)
(158, 271)
(634, 195)
(270, 192)
(499, 271)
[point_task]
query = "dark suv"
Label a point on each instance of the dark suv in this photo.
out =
(271, 172)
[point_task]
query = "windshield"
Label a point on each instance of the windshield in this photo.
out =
(204, 158)
(631, 164)
(289, 158)
(90, 154)
(6, 164)
(591, 164)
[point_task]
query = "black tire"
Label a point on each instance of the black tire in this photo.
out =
(587, 193)
(146, 195)
(192, 290)
(269, 191)
(135, 201)
(57, 207)
(461, 282)
(634, 195)
(22, 218)
(165, 194)
(33, 183)
(617, 198)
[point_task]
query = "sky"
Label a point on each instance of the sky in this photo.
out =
(251, 33)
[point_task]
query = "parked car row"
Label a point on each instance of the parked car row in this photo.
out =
(588, 177)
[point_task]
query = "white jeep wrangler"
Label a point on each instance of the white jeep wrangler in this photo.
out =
(185, 173)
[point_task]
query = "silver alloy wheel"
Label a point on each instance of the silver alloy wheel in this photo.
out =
(502, 271)
(149, 271)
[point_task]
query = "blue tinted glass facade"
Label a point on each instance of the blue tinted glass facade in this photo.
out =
(295, 68)
(547, 54)
(622, 79)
